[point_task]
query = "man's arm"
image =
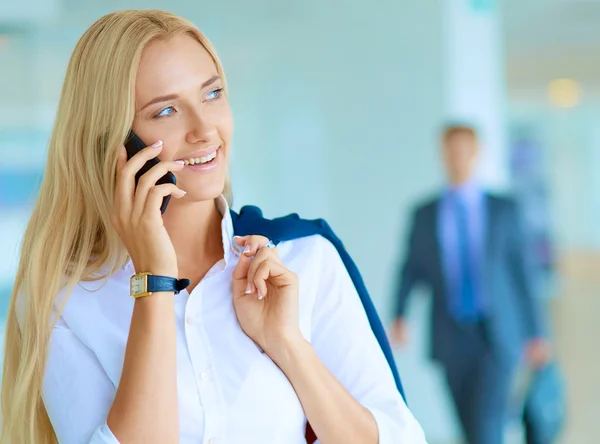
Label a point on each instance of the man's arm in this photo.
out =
(408, 277)
(537, 348)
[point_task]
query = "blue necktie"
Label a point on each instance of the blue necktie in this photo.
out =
(466, 303)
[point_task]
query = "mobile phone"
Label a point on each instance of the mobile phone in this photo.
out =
(133, 145)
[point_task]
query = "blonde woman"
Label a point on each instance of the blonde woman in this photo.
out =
(240, 353)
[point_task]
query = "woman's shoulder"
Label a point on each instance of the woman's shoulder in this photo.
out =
(313, 248)
(92, 304)
(314, 259)
(101, 287)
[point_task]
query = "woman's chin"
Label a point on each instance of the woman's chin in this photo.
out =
(204, 192)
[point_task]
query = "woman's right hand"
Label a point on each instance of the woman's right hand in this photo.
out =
(136, 213)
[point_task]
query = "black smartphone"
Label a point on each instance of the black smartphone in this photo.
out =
(134, 144)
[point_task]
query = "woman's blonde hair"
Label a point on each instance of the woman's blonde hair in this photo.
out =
(69, 237)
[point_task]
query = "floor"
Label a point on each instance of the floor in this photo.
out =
(576, 315)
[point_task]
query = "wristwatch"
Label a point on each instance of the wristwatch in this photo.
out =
(144, 284)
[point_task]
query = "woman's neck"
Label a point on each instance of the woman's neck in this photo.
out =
(195, 231)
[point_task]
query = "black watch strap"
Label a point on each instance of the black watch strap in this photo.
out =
(164, 283)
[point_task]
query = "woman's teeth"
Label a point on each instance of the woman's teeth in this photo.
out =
(200, 160)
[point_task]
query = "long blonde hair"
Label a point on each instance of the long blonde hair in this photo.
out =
(69, 237)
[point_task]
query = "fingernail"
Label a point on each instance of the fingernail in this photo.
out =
(180, 162)
(260, 295)
(247, 249)
(156, 144)
(180, 193)
(249, 288)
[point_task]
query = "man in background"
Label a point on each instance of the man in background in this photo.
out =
(467, 246)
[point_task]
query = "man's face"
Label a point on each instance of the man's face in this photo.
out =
(460, 152)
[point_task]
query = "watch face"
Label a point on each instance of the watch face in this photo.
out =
(138, 284)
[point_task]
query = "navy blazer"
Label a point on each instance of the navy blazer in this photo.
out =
(251, 221)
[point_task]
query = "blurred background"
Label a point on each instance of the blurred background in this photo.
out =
(338, 107)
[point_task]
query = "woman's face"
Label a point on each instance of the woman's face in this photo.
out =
(180, 100)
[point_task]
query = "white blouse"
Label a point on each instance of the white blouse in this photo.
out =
(229, 391)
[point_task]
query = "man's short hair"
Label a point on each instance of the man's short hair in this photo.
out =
(451, 130)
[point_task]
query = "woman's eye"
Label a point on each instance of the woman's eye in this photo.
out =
(165, 112)
(214, 95)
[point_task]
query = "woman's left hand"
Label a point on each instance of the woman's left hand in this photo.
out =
(265, 296)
